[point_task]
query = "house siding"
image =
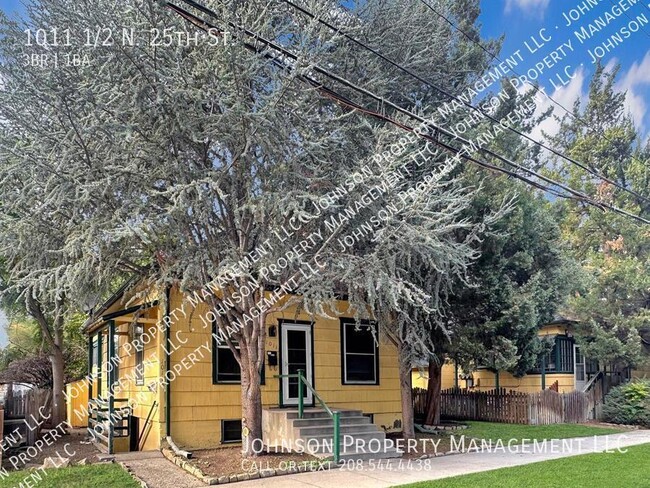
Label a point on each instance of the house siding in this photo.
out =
(420, 377)
(485, 379)
(198, 405)
(142, 397)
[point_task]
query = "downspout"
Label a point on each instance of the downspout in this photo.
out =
(168, 348)
(168, 391)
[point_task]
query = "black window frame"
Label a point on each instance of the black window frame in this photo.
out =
(349, 322)
(138, 332)
(223, 431)
(216, 346)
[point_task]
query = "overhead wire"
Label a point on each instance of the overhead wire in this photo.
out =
(536, 86)
(286, 54)
(451, 96)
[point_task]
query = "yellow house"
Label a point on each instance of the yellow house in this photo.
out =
(175, 378)
(564, 367)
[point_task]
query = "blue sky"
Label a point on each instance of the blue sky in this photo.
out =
(521, 19)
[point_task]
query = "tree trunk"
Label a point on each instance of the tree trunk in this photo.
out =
(406, 392)
(433, 393)
(251, 402)
(58, 386)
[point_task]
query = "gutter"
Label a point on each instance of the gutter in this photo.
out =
(95, 316)
(168, 386)
(91, 324)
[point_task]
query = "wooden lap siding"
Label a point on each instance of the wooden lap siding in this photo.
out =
(150, 433)
(198, 406)
(485, 380)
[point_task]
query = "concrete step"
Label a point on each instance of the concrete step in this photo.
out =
(348, 441)
(320, 413)
(365, 456)
(311, 431)
(328, 422)
(360, 438)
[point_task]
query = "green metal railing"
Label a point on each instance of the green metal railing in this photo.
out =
(336, 416)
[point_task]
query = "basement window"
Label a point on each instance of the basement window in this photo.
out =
(230, 431)
(359, 353)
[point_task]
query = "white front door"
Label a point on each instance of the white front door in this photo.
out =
(296, 354)
(579, 369)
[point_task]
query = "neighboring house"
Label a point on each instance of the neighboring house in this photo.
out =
(201, 408)
(564, 365)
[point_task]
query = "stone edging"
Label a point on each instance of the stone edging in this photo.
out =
(221, 480)
(133, 475)
(446, 427)
(439, 454)
(623, 426)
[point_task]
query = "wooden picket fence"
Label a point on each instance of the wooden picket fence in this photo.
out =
(513, 407)
(27, 411)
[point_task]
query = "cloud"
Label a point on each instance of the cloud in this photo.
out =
(564, 95)
(530, 7)
(632, 81)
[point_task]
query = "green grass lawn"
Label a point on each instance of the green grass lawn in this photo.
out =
(494, 431)
(601, 470)
(99, 475)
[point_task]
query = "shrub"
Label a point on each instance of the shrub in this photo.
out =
(629, 404)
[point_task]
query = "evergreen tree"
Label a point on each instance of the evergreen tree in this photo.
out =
(176, 161)
(522, 273)
(614, 305)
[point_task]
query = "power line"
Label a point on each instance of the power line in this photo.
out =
(534, 85)
(332, 94)
(344, 100)
(460, 100)
(285, 54)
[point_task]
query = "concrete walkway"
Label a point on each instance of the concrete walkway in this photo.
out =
(399, 473)
(156, 471)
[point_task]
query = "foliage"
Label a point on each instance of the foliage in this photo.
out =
(177, 162)
(629, 404)
(520, 279)
(24, 339)
(76, 348)
(523, 273)
(33, 370)
(26, 344)
(613, 306)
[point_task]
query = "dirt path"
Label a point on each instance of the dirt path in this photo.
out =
(156, 471)
(72, 446)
